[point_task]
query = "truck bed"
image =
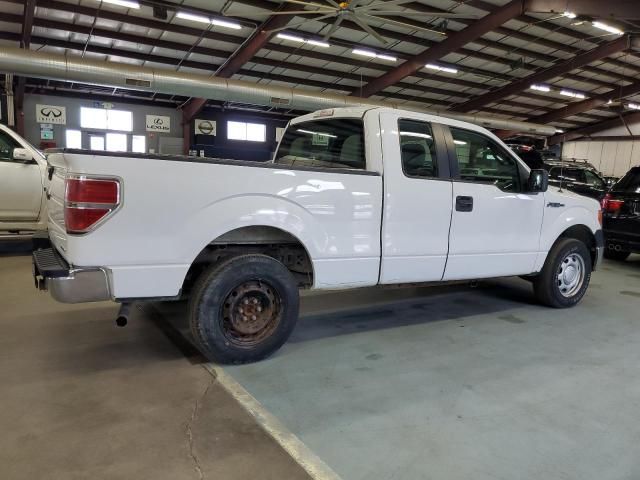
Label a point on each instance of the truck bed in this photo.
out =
(174, 206)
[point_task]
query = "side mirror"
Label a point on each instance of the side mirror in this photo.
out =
(22, 155)
(538, 181)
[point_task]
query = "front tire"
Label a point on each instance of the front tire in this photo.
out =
(243, 309)
(565, 277)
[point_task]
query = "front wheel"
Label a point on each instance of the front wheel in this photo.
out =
(243, 309)
(565, 277)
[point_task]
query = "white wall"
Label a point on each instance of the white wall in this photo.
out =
(611, 157)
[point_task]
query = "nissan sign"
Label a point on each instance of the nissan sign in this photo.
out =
(158, 123)
(51, 114)
(205, 127)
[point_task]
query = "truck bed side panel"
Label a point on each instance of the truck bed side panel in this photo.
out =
(172, 209)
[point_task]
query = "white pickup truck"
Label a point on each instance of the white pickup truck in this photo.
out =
(23, 171)
(354, 197)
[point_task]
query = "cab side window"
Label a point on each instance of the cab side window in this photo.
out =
(417, 149)
(593, 179)
(7, 144)
(482, 160)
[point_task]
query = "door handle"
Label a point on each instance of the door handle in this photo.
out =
(464, 204)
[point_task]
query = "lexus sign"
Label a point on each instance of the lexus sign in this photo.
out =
(51, 114)
(158, 123)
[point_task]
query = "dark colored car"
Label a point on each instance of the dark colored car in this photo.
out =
(577, 177)
(529, 155)
(611, 181)
(621, 217)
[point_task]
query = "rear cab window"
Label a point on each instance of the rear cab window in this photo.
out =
(417, 149)
(331, 143)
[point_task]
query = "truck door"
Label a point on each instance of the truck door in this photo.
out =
(20, 184)
(495, 226)
(417, 199)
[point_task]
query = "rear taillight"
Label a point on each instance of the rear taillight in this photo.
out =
(88, 201)
(610, 204)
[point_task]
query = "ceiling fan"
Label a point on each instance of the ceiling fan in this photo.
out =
(362, 15)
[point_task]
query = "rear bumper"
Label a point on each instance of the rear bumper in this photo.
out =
(622, 241)
(68, 284)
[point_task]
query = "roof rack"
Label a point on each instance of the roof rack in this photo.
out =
(574, 160)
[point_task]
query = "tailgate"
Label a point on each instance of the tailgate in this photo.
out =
(55, 201)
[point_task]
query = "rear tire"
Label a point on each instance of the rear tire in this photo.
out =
(617, 255)
(243, 309)
(565, 277)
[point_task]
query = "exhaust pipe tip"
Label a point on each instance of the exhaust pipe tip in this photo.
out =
(123, 315)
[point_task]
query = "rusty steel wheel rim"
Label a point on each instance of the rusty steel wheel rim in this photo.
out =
(251, 312)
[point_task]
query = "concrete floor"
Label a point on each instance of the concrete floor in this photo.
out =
(83, 399)
(425, 383)
(465, 383)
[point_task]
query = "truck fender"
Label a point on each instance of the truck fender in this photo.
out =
(232, 213)
(572, 217)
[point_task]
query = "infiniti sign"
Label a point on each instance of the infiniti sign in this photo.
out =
(51, 114)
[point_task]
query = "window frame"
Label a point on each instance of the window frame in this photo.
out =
(66, 137)
(113, 134)
(104, 141)
(523, 172)
(245, 132)
(441, 160)
(144, 139)
(105, 128)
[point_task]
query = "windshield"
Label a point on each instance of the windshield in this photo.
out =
(332, 143)
(630, 182)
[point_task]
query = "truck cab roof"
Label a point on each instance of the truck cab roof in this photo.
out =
(359, 112)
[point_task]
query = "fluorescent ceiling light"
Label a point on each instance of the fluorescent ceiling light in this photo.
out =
(123, 3)
(415, 134)
(569, 93)
(633, 106)
(193, 17)
(226, 24)
(459, 142)
(607, 28)
(320, 134)
(318, 43)
(296, 38)
(387, 57)
(440, 68)
(293, 38)
(558, 130)
(369, 53)
(203, 19)
(569, 15)
(364, 53)
(541, 88)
